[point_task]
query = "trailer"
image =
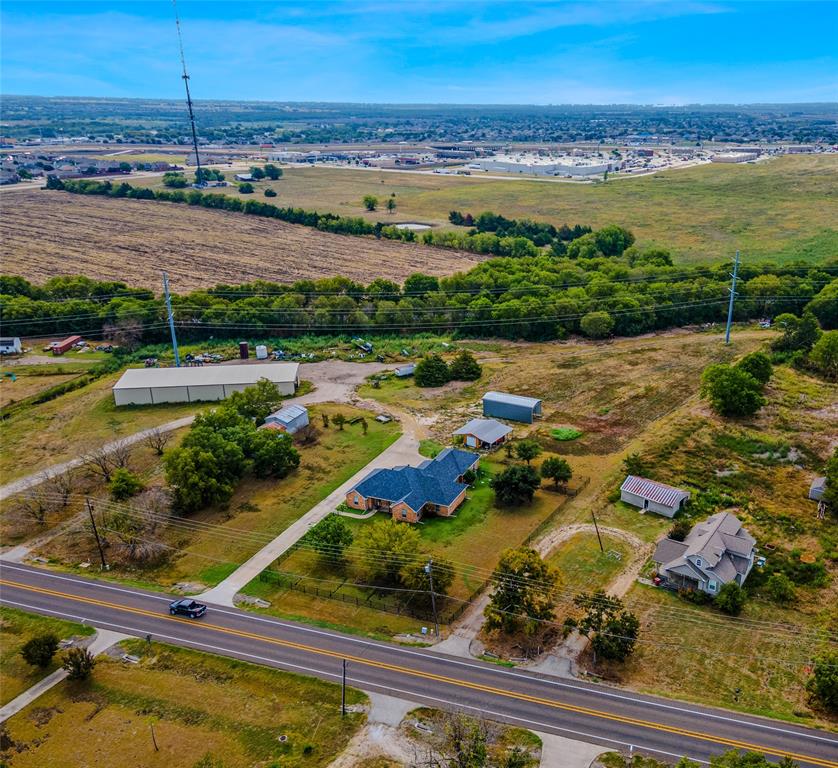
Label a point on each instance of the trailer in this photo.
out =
(60, 347)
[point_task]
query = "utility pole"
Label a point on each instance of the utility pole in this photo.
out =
(429, 569)
(732, 297)
(343, 692)
(171, 318)
(599, 538)
(96, 533)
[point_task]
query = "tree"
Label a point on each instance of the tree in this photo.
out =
(99, 462)
(256, 402)
(157, 440)
(824, 306)
(391, 205)
(124, 484)
(388, 546)
(246, 188)
(370, 202)
(633, 464)
(597, 325)
(824, 355)
(731, 599)
(524, 594)
(174, 180)
(830, 493)
(823, 684)
(431, 371)
(516, 485)
(273, 453)
(758, 365)
(193, 475)
(79, 663)
(731, 391)
(365, 425)
(736, 759)
(464, 367)
(527, 450)
(270, 192)
(418, 284)
(273, 172)
(679, 530)
(340, 420)
(34, 505)
(780, 588)
(330, 538)
(556, 469)
(257, 173)
(799, 333)
(415, 576)
(613, 631)
(466, 743)
(39, 650)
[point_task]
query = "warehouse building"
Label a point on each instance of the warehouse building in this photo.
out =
(501, 405)
(146, 386)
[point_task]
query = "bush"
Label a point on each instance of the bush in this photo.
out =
(464, 367)
(124, 484)
(679, 531)
(731, 599)
(824, 355)
(731, 390)
(79, 663)
(597, 325)
(780, 589)
(39, 650)
(270, 192)
(823, 684)
(758, 365)
(246, 188)
(431, 372)
(565, 433)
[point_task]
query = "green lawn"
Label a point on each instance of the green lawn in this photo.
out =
(205, 711)
(584, 566)
(18, 627)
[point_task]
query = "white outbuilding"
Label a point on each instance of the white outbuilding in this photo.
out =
(147, 386)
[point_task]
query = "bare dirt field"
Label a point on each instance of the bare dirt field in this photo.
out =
(51, 233)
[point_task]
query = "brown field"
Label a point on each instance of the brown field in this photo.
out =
(47, 234)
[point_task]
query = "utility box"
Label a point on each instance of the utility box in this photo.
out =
(244, 350)
(261, 352)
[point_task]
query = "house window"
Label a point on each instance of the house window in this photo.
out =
(711, 586)
(698, 562)
(404, 513)
(357, 499)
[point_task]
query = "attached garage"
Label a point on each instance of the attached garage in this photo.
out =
(148, 386)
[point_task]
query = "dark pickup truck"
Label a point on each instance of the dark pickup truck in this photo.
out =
(187, 607)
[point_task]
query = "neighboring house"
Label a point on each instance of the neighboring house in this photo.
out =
(10, 346)
(484, 433)
(652, 496)
(244, 177)
(289, 419)
(405, 370)
(817, 488)
(714, 553)
(513, 407)
(409, 493)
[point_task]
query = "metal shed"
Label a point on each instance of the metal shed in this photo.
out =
(289, 419)
(653, 496)
(146, 386)
(405, 370)
(513, 407)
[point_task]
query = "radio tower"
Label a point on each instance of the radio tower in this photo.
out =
(199, 178)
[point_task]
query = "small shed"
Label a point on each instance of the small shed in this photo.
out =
(484, 433)
(649, 494)
(513, 407)
(244, 177)
(405, 370)
(817, 488)
(10, 346)
(289, 419)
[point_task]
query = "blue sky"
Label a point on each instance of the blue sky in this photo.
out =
(429, 52)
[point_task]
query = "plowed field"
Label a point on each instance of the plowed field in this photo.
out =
(53, 233)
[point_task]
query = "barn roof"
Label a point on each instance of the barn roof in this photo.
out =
(240, 374)
(287, 414)
(654, 491)
(505, 397)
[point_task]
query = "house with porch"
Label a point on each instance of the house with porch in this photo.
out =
(437, 486)
(484, 433)
(714, 553)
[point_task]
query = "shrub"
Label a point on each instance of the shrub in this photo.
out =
(780, 589)
(270, 192)
(758, 365)
(246, 188)
(431, 372)
(39, 650)
(79, 663)
(823, 684)
(824, 355)
(464, 367)
(597, 325)
(731, 599)
(731, 390)
(565, 433)
(124, 484)
(679, 531)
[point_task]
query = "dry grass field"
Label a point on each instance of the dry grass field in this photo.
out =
(50, 233)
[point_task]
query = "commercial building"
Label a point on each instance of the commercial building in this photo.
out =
(146, 386)
(502, 405)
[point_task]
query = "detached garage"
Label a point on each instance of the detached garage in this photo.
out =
(148, 386)
(501, 405)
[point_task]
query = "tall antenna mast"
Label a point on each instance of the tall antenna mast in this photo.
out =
(198, 175)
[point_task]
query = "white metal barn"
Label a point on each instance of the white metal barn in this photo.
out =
(146, 386)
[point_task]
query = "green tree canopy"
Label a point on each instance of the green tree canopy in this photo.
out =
(79, 663)
(524, 594)
(431, 371)
(731, 599)
(527, 450)
(612, 629)
(597, 325)
(758, 365)
(370, 202)
(40, 650)
(256, 402)
(556, 469)
(516, 485)
(823, 684)
(273, 453)
(273, 172)
(464, 367)
(414, 575)
(330, 538)
(824, 355)
(799, 333)
(124, 484)
(388, 545)
(731, 390)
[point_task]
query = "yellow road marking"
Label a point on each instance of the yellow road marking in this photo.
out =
(734, 743)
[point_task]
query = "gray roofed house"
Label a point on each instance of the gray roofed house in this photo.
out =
(653, 496)
(714, 553)
(817, 488)
(484, 433)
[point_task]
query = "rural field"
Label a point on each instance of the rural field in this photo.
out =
(780, 209)
(46, 234)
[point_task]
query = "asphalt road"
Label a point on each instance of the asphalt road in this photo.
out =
(597, 714)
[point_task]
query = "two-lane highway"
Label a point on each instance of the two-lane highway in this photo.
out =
(598, 714)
